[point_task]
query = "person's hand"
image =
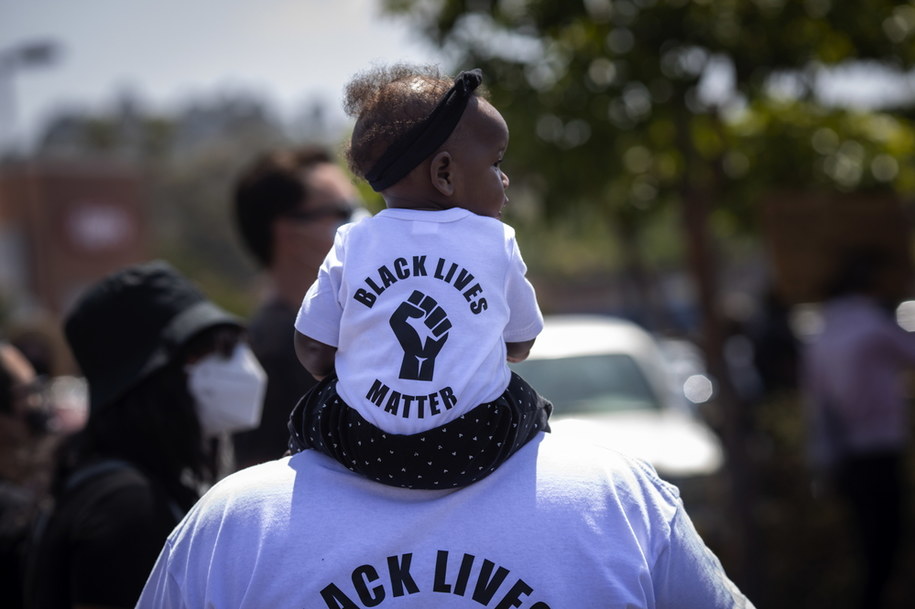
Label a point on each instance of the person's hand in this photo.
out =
(420, 351)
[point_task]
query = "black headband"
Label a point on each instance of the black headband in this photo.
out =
(424, 138)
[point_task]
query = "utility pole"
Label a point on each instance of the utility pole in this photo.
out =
(12, 59)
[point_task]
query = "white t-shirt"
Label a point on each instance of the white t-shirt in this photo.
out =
(561, 524)
(419, 305)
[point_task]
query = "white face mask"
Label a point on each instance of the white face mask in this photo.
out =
(229, 391)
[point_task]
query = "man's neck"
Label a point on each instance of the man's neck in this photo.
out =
(289, 284)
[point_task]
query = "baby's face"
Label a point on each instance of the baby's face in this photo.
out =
(477, 151)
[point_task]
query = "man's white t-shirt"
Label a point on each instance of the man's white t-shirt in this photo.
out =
(419, 305)
(561, 524)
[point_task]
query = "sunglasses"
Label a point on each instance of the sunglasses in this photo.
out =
(343, 212)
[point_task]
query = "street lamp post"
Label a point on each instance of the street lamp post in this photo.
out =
(23, 56)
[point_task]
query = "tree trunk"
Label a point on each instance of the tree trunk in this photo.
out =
(743, 550)
(639, 287)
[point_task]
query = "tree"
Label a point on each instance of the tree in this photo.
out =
(623, 108)
(617, 105)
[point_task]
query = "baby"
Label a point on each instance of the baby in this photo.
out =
(416, 311)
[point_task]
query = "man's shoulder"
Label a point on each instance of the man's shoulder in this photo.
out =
(577, 481)
(245, 486)
(559, 466)
(570, 457)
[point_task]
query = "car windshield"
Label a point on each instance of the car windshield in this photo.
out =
(590, 384)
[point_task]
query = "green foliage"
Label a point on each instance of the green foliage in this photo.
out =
(611, 113)
(801, 144)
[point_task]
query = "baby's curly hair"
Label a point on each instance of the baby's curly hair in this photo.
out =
(386, 102)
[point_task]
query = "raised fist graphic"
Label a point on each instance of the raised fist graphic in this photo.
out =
(419, 351)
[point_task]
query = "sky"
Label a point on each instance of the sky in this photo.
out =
(291, 53)
(166, 52)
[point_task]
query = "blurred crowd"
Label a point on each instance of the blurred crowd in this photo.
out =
(61, 435)
(170, 396)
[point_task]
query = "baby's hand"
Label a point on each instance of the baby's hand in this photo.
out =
(518, 352)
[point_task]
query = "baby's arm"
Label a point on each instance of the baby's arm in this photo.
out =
(518, 352)
(316, 357)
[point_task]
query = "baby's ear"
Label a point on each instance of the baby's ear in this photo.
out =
(440, 171)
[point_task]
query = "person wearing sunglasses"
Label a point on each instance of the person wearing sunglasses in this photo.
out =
(288, 205)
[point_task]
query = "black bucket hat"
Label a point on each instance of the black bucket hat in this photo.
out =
(133, 323)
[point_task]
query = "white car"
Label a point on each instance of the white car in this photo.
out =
(610, 382)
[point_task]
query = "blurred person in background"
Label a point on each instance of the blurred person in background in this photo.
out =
(775, 347)
(25, 459)
(288, 205)
(852, 377)
(167, 370)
